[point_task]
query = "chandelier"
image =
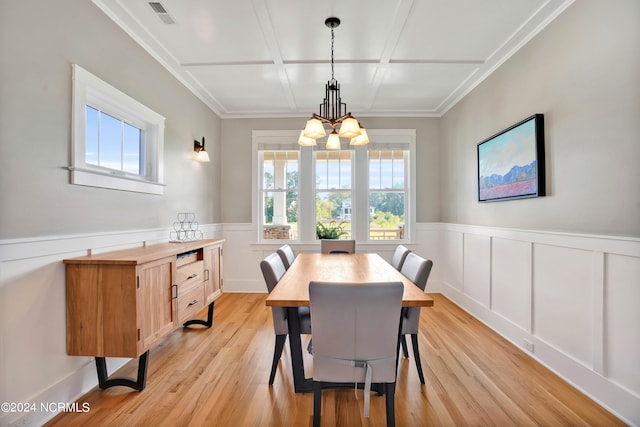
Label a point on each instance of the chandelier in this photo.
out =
(333, 113)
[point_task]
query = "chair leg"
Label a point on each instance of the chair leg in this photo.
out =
(317, 403)
(277, 353)
(403, 341)
(390, 391)
(416, 356)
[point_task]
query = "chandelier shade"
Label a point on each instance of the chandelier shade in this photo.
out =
(349, 128)
(333, 142)
(362, 139)
(333, 112)
(314, 129)
(306, 141)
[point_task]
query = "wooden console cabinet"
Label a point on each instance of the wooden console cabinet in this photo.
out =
(120, 303)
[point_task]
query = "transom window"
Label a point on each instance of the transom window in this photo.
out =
(117, 142)
(366, 191)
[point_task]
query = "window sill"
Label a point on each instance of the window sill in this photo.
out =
(114, 181)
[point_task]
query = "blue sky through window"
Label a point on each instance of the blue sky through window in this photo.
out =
(113, 143)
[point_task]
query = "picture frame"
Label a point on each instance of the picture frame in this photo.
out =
(511, 162)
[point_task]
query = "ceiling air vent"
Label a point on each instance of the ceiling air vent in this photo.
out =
(162, 13)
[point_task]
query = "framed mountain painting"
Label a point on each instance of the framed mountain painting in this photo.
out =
(511, 162)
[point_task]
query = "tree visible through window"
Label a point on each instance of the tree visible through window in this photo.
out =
(280, 194)
(333, 189)
(367, 190)
(386, 194)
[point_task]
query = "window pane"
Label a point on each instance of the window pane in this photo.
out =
(398, 169)
(292, 170)
(374, 168)
(110, 142)
(268, 171)
(333, 170)
(280, 215)
(91, 136)
(387, 215)
(132, 148)
(333, 208)
(386, 169)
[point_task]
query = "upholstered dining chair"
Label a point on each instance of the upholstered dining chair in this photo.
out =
(334, 246)
(272, 271)
(416, 269)
(287, 255)
(355, 338)
(399, 256)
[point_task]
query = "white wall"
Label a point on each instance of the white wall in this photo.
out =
(39, 41)
(581, 72)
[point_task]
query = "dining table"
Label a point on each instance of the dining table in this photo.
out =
(292, 291)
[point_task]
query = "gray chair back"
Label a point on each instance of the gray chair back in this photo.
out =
(416, 269)
(287, 255)
(355, 338)
(399, 256)
(331, 246)
(355, 322)
(272, 271)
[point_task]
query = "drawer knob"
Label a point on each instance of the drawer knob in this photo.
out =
(194, 302)
(194, 275)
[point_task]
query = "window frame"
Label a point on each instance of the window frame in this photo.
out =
(404, 139)
(90, 90)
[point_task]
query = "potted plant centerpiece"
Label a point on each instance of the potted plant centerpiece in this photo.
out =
(330, 230)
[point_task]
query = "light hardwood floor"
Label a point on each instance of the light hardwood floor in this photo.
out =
(219, 377)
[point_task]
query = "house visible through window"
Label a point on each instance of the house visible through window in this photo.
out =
(368, 191)
(333, 189)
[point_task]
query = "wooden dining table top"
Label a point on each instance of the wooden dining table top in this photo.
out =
(293, 288)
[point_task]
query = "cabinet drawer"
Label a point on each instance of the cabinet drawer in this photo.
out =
(190, 273)
(190, 302)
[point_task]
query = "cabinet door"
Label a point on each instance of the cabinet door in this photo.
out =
(213, 272)
(156, 302)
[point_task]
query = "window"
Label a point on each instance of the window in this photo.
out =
(333, 189)
(117, 142)
(387, 194)
(279, 188)
(369, 190)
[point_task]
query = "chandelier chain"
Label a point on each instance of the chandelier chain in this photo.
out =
(332, 39)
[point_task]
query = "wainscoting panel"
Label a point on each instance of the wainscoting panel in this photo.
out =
(477, 268)
(563, 305)
(569, 300)
(511, 281)
(622, 320)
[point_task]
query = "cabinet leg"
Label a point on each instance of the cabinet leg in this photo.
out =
(138, 384)
(206, 323)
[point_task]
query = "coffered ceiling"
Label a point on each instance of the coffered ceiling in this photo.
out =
(271, 58)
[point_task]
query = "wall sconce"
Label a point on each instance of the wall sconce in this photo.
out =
(201, 153)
